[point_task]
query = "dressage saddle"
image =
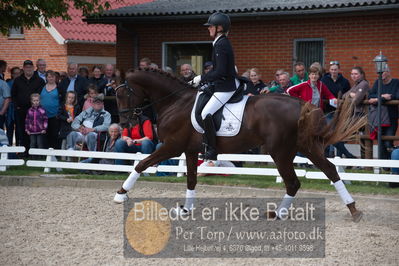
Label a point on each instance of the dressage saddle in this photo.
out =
(206, 96)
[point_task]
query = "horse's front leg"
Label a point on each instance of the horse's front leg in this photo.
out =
(191, 160)
(163, 153)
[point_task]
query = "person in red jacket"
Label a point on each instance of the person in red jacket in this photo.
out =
(313, 90)
(138, 138)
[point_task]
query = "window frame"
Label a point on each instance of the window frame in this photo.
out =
(296, 41)
(16, 35)
(165, 44)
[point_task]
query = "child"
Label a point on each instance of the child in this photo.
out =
(67, 114)
(91, 93)
(36, 123)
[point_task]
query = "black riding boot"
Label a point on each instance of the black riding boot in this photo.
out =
(209, 138)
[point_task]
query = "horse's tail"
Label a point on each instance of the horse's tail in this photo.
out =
(343, 126)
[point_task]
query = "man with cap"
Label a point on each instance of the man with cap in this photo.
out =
(88, 124)
(223, 76)
(23, 87)
(208, 67)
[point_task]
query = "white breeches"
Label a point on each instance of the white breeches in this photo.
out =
(217, 100)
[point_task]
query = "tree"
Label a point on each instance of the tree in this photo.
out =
(31, 13)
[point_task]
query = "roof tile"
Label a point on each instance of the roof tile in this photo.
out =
(77, 30)
(176, 7)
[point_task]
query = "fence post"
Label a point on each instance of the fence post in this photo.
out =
(51, 158)
(4, 156)
(182, 162)
(340, 169)
(48, 159)
(54, 159)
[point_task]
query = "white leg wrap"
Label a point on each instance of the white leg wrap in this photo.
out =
(343, 192)
(284, 205)
(129, 183)
(190, 198)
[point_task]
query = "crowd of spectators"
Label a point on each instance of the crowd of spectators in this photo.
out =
(70, 109)
(43, 108)
(324, 90)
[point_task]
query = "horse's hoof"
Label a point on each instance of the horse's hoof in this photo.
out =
(181, 211)
(120, 198)
(271, 215)
(357, 216)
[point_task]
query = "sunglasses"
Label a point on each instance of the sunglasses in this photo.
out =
(334, 62)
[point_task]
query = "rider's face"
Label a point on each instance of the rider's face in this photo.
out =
(212, 31)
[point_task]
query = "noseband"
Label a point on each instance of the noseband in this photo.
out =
(130, 112)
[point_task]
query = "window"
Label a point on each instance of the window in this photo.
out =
(194, 53)
(309, 51)
(16, 33)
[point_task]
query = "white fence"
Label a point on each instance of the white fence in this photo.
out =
(4, 161)
(180, 169)
(374, 163)
(50, 162)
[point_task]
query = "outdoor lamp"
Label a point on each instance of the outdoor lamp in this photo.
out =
(380, 63)
(380, 67)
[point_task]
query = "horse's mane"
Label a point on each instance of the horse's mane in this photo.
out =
(165, 74)
(185, 92)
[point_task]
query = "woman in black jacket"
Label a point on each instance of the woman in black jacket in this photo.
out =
(223, 76)
(98, 79)
(67, 113)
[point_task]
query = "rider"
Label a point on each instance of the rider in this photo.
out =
(222, 76)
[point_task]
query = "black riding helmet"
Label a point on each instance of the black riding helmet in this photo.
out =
(221, 19)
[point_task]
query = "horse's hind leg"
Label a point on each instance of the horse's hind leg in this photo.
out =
(316, 155)
(286, 169)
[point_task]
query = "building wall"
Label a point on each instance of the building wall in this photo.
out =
(37, 43)
(268, 44)
(91, 49)
(91, 54)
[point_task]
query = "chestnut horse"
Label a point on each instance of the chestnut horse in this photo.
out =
(284, 125)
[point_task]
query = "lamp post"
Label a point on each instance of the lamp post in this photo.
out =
(380, 66)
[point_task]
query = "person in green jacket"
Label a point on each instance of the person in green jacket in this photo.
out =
(300, 74)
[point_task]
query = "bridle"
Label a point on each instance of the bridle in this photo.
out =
(130, 112)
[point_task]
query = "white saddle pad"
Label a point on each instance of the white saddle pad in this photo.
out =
(231, 121)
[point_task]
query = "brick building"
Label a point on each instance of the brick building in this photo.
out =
(63, 42)
(265, 34)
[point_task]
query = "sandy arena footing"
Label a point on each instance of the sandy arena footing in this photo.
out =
(66, 222)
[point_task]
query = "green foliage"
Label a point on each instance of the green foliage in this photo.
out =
(31, 13)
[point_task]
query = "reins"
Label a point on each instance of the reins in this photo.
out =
(139, 110)
(161, 99)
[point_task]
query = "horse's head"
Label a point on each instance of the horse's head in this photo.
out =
(128, 100)
(150, 87)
